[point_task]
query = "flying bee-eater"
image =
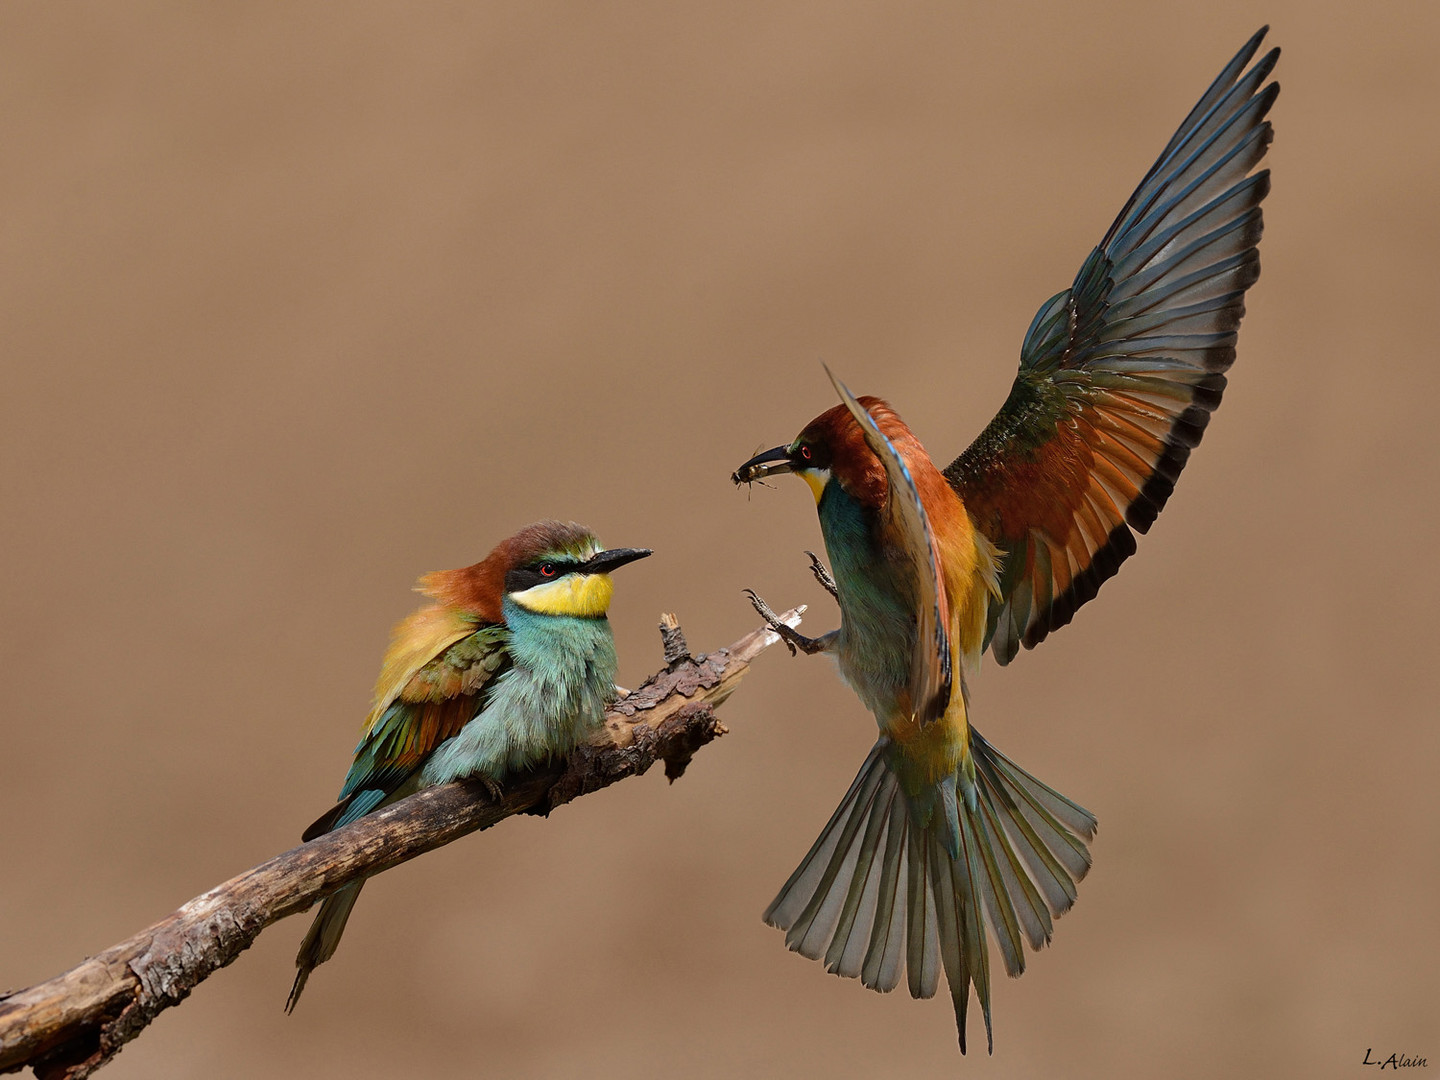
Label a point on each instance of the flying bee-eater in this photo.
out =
(940, 834)
(512, 664)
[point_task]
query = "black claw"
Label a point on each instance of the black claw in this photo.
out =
(822, 575)
(771, 620)
(792, 638)
(495, 791)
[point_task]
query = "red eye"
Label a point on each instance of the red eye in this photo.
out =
(805, 452)
(547, 570)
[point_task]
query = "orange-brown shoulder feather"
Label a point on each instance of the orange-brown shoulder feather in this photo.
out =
(416, 640)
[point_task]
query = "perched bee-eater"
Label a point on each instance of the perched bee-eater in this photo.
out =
(941, 834)
(513, 663)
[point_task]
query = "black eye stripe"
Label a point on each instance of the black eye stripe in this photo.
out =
(527, 577)
(810, 456)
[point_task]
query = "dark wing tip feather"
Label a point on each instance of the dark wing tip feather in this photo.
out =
(326, 821)
(1105, 563)
(1161, 485)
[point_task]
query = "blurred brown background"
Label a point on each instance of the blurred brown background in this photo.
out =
(300, 301)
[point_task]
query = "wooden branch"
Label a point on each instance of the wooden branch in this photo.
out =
(76, 1022)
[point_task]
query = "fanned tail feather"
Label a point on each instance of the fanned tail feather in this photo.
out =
(886, 888)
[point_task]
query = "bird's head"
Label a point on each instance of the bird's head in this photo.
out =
(832, 449)
(550, 568)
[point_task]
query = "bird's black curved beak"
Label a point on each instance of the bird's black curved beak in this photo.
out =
(602, 562)
(760, 466)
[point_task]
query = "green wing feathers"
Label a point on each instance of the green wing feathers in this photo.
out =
(930, 668)
(434, 679)
(1119, 373)
(433, 702)
(433, 705)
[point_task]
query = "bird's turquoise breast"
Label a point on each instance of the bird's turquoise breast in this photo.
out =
(550, 700)
(877, 605)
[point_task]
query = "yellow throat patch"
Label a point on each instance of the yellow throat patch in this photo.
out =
(817, 479)
(584, 596)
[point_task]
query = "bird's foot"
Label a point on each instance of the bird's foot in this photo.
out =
(492, 787)
(822, 575)
(792, 638)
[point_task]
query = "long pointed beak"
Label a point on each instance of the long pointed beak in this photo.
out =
(602, 562)
(760, 466)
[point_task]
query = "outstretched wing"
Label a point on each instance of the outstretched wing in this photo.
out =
(1119, 373)
(436, 672)
(930, 667)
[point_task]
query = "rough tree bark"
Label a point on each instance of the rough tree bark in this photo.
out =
(74, 1023)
